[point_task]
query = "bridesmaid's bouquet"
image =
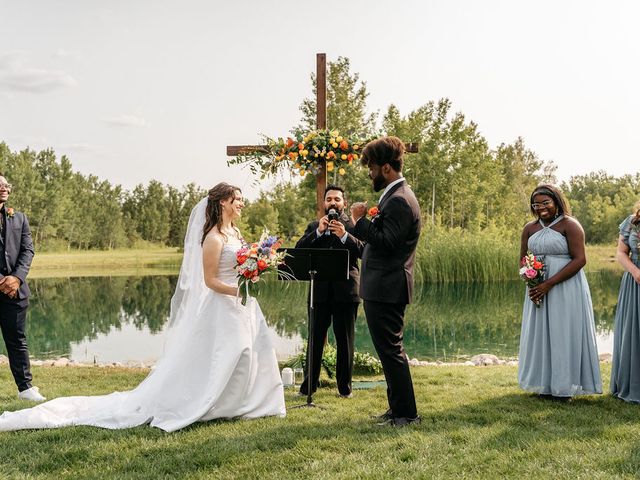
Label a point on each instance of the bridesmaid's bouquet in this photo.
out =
(254, 260)
(532, 271)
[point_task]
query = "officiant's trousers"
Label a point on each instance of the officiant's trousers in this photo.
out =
(386, 326)
(13, 319)
(343, 316)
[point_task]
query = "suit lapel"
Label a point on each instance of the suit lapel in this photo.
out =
(5, 229)
(8, 223)
(387, 196)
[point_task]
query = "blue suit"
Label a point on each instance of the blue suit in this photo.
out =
(16, 254)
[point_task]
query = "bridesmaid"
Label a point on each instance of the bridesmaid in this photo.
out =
(558, 354)
(625, 368)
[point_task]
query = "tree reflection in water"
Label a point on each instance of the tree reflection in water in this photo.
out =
(446, 322)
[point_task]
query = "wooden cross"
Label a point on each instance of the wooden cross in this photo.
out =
(321, 123)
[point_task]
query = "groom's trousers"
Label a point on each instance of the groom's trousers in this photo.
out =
(343, 316)
(386, 324)
(13, 316)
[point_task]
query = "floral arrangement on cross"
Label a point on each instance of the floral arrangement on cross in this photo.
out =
(303, 153)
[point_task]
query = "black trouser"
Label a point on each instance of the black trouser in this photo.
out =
(344, 319)
(386, 324)
(13, 316)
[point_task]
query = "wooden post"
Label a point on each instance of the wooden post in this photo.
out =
(321, 123)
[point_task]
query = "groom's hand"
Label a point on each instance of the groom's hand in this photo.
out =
(358, 210)
(9, 285)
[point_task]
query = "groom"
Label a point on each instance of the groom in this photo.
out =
(386, 283)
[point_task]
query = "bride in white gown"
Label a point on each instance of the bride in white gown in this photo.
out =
(218, 360)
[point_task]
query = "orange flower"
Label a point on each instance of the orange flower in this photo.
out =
(301, 146)
(373, 211)
(262, 264)
(537, 265)
(290, 142)
(344, 145)
(331, 154)
(241, 259)
(10, 212)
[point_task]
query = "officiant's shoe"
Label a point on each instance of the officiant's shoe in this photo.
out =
(348, 395)
(388, 415)
(400, 422)
(32, 394)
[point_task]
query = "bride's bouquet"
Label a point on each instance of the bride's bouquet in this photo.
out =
(532, 271)
(254, 260)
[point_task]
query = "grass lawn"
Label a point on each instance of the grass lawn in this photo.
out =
(476, 424)
(149, 261)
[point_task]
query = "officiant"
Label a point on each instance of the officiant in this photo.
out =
(335, 302)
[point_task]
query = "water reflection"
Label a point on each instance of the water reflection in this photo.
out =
(122, 319)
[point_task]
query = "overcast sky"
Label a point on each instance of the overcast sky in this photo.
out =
(139, 90)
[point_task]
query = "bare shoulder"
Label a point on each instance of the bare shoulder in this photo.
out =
(213, 239)
(531, 227)
(571, 224)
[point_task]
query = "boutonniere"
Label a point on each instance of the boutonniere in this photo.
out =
(10, 212)
(373, 211)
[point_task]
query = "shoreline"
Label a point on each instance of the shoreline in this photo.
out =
(480, 360)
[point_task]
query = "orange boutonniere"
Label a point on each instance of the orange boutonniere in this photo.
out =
(10, 212)
(373, 211)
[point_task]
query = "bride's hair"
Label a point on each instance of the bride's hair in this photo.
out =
(213, 215)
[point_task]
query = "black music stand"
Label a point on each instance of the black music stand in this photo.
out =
(314, 264)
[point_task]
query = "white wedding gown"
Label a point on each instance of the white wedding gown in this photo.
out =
(219, 362)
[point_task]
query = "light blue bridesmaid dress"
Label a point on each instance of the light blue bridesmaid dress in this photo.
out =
(558, 353)
(625, 367)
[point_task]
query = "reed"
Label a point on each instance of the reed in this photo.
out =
(457, 255)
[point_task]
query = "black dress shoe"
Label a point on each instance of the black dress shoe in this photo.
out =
(388, 415)
(400, 421)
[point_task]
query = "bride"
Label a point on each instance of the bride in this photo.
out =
(218, 360)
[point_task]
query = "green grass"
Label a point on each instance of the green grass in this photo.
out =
(149, 261)
(443, 256)
(476, 424)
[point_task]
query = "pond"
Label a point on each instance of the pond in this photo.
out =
(122, 319)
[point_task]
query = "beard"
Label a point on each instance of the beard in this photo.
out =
(378, 182)
(339, 210)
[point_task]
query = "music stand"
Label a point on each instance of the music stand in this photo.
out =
(314, 264)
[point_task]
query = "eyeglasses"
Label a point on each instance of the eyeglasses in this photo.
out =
(546, 204)
(6, 186)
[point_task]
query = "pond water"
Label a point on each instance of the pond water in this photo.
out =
(122, 319)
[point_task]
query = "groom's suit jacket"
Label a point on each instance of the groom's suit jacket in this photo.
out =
(391, 238)
(16, 250)
(340, 290)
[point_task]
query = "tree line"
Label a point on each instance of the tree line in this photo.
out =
(68, 210)
(462, 183)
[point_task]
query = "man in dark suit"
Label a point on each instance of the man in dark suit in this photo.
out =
(338, 300)
(386, 287)
(16, 253)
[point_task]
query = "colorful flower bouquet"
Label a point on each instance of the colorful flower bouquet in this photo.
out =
(532, 271)
(304, 153)
(254, 260)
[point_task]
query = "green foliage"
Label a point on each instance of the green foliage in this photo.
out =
(363, 363)
(69, 210)
(601, 202)
(458, 255)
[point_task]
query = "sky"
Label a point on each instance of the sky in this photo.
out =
(134, 90)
